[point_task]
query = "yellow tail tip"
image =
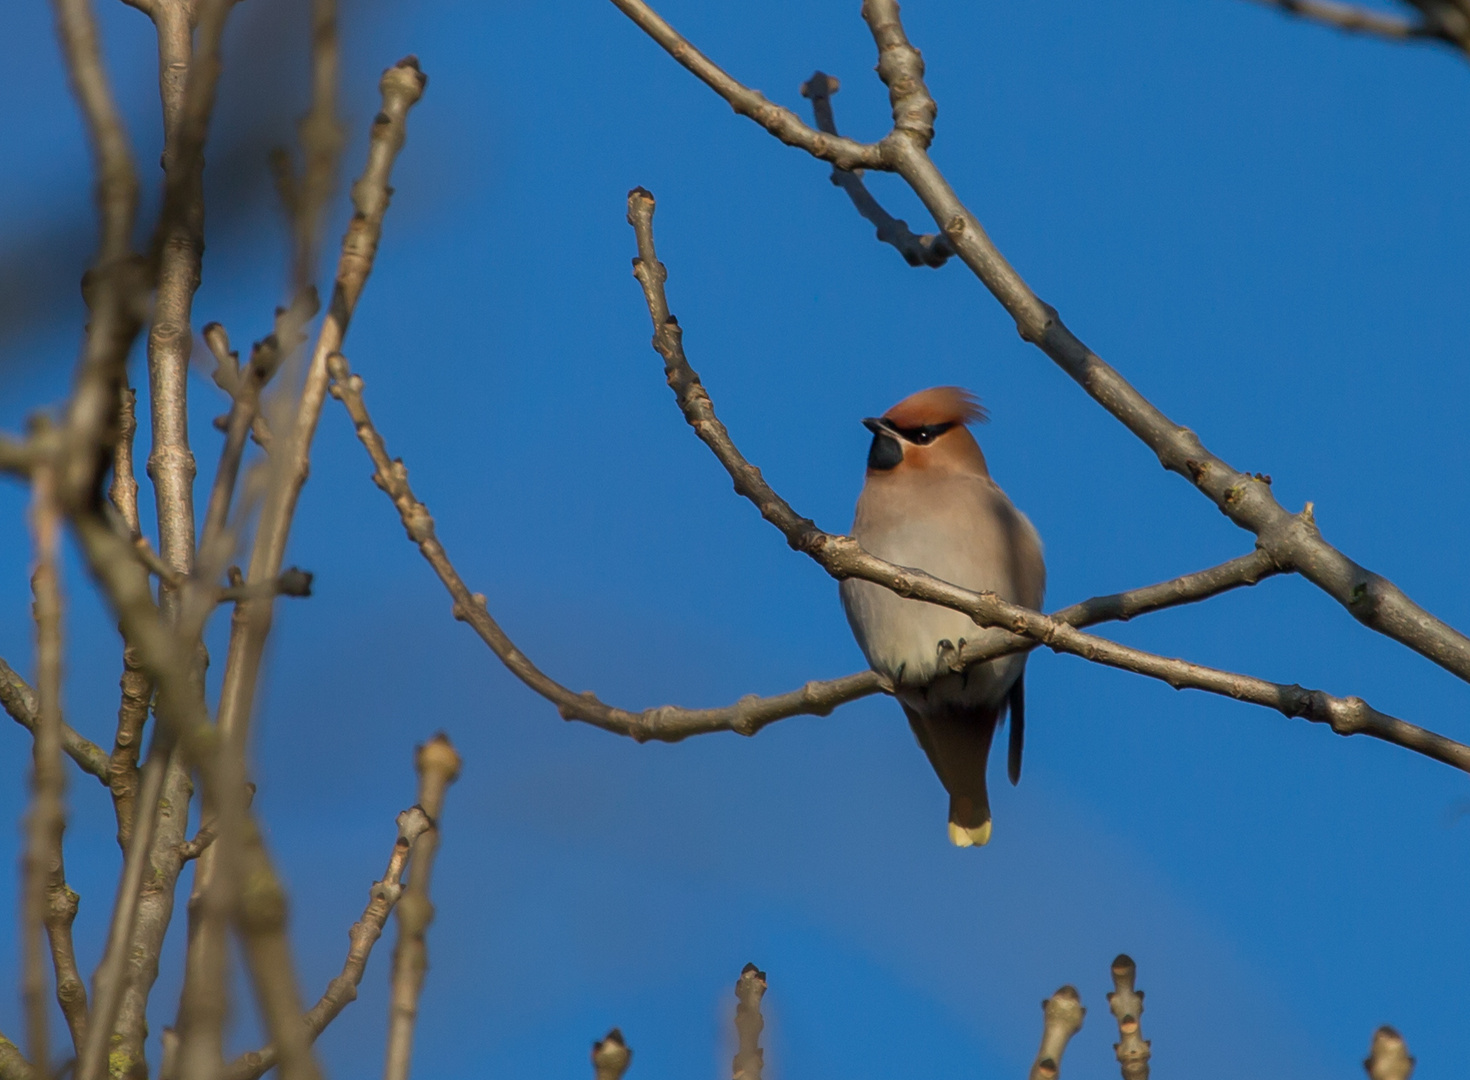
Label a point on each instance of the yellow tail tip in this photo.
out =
(960, 836)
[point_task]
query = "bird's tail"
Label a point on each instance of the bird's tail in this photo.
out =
(958, 746)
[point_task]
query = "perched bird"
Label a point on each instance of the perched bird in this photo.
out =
(929, 504)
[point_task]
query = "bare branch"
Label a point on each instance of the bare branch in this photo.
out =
(842, 557)
(123, 491)
(342, 990)
(438, 765)
(19, 700)
(780, 122)
(1355, 19)
(611, 1056)
(931, 249)
(1388, 1057)
(749, 1058)
(261, 917)
(122, 766)
(1292, 540)
(1062, 1018)
(1126, 1003)
(46, 818)
(667, 723)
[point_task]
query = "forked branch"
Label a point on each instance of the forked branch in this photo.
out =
(1292, 540)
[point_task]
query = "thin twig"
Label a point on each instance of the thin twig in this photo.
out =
(842, 557)
(1062, 1018)
(342, 990)
(1388, 1056)
(931, 249)
(438, 765)
(46, 818)
(19, 700)
(611, 1056)
(749, 1058)
(1292, 540)
(1126, 1004)
(1355, 19)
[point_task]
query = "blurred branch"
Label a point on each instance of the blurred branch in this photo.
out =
(46, 818)
(123, 492)
(749, 1058)
(1062, 1018)
(1388, 1056)
(1356, 19)
(1126, 1004)
(842, 557)
(13, 1065)
(611, 1056)
(342, 990)
(1292, 540)
(19, 700)
(438, 765)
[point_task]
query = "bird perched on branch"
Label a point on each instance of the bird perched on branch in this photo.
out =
(929, 504)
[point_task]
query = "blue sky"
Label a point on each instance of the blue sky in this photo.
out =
(1260, 223)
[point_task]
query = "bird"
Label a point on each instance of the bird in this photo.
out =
(928, 503)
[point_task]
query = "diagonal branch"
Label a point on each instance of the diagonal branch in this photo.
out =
(19, 700)
(842, 557)
(342, 990)
(1356, 19)
(1292, 540)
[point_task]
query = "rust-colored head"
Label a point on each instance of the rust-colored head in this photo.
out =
(927, 431)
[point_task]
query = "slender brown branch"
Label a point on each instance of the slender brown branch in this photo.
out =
(749, 1058)
(46, 818)
(115, 286)
(123, 491)
(1292, 540)
(1062, 1018)
(342, 990)
(1126, 1004)
(62, 903)
(122, 766)
(611, 1056)
(842, 557)
(780, 122)
(1355, 19)
(109, 981)
(19, 700)
(1388, 1057)
(321, 136)
(667, 723)
(438, 765)
(931, 249)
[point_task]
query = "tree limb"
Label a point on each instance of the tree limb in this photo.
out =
(1356, 19)
(842, 557)
(19, 700)
(1292, 540)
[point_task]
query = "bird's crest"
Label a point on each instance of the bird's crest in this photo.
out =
(937, 405)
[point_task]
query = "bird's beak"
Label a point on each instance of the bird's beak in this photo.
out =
(877, 425)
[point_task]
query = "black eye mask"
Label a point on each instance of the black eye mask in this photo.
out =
(923, 436)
